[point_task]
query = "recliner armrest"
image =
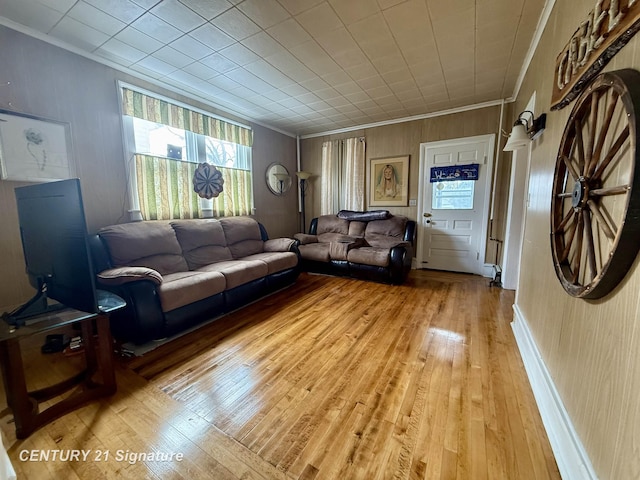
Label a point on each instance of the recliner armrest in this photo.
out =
(121, 275)
(305, 238)
(279, 245)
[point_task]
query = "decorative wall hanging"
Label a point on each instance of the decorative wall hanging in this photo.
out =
(33, 148)
(389, 182)
(607, 28)
(595, 203)
(456, 172)
(207, 181)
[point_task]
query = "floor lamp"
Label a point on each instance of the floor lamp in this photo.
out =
(303, 176)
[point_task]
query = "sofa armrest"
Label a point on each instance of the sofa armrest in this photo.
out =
(121, 275)
(305, 238)
(279, 245)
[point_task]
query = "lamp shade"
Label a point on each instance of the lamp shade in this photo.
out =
(303, 175)
(518, 138)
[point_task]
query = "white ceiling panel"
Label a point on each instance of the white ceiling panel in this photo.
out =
(303, 66)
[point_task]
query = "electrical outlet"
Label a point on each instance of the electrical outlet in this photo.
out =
(413, 202)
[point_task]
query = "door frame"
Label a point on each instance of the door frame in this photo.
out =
(490, 140)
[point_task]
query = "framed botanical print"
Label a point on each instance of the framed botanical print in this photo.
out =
(389, 182)
(34, 149)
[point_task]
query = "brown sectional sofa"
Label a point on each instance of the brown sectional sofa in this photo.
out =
(374, 245)
(175, 274)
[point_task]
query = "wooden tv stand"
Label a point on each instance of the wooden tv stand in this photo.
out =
(96, 380)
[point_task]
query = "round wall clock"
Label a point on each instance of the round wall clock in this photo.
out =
(595, 204)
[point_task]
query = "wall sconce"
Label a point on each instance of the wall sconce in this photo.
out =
(303, 176)
(523, 133)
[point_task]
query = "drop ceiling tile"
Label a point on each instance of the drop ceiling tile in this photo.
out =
(236, 24)
(294, 90)
(336, 78)
(61, 6)
(124, 10)
(265, 13)
(212, 36)
(186, 78)
(208, 9)
(319, 19)
(31, 14)
(219, 63)
(223, 82)
(354, 10)
(262, 44)
(191, 47)
(249, 80)
(172, 57)
(156, 65)
(157, 28)
(295, 7)
(239, 54)
(312, 55)
(268, 73)
(78, 34)
(315, 84)
(146, 4)
(95, 18)
(200, 70)
(140, 40)
(289, 33)
(120, 52)
(178, 15)
(291, 66)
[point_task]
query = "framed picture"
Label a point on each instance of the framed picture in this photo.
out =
(34, 149)
(389, 182)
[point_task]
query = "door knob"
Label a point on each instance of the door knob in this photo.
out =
(426, 215)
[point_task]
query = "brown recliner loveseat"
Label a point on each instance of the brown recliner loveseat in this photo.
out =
(371, 245)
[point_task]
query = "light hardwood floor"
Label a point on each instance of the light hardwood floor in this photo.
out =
(332, 378)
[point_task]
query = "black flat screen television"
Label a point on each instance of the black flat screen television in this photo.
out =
(56, 249)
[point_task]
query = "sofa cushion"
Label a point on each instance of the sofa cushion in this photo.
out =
(238, 272)
(392, 227)
(243, 236)
(317, 252)
(151, 244)
(182, 288)
(275, 261)
(357, 228)
(369, 256)
(335, 237)
(202, 241)
(332, 224)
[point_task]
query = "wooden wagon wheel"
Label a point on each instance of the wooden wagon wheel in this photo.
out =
(595, 205)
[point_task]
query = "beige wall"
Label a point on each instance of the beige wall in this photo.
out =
(53, 83)
(591, 348)
(405, 139)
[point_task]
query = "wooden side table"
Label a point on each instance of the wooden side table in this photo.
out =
(96, 380)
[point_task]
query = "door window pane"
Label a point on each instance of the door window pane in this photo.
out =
(456, 195)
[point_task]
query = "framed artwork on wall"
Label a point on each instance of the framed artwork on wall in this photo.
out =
(389, 182)
(34, 149)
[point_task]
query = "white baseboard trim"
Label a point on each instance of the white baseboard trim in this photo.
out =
(571, 457)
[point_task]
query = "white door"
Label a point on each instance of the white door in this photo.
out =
(453, 214)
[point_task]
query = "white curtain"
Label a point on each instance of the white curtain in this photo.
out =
(354, 166)
(330, 179)
(343, 175)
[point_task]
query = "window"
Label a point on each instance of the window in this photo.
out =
(168, 141)
(455, 195)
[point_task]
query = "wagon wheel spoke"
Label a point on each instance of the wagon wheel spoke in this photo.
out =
(569, 240)
(571, 167)
(577, 254)
(602, 220)
(603, 134)
(624, 135)
(604, 192)
(591, 250)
